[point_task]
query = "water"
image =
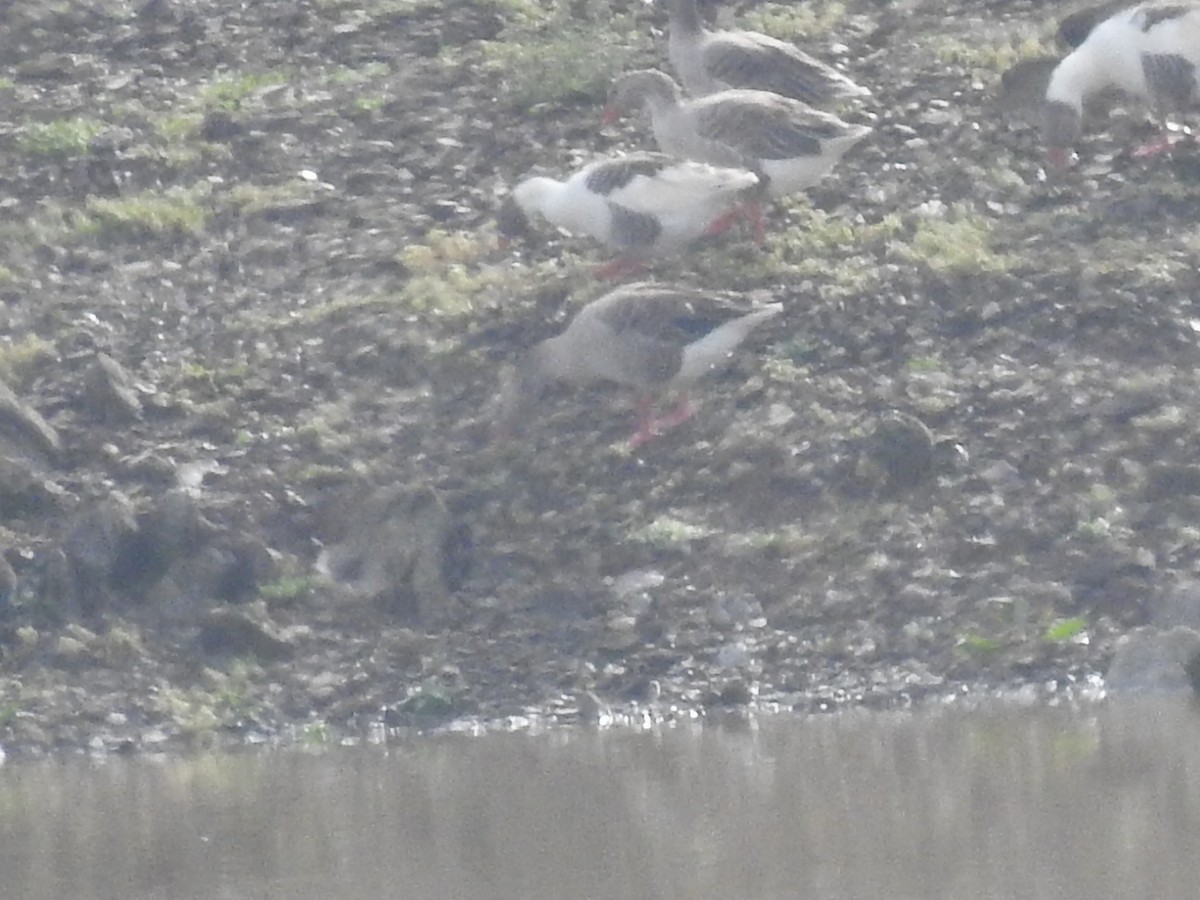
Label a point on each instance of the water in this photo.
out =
(1011, 802)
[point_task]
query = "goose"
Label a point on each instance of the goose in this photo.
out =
(710, 61)
(657, 339)
(790, 145)
(642, 204)
(1149, 52)
(1074, 28)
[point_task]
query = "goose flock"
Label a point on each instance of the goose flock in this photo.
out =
(757, 125)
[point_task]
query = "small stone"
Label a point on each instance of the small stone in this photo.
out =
(636, 581)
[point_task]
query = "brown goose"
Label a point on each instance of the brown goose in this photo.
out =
(708, 61)
(657, 339)
(790, 144)
(1150, 52)
(643, 204)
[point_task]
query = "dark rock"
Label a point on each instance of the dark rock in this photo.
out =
(1179, 606)
(169, 532)
(220, 127)
(401, 547)
(243, 564)
(110, 392)
(1153, 659)
(1115, 580)
(903, 448)
(157, 11)
(23, 492)
(93, 546)
(735, 693)
(222, 567)
(244, 631)
(23, 428)
(1164, 481)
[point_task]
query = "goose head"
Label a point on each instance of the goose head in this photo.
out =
(644, 87)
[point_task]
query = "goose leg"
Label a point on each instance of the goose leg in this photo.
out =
(752, 212)
(683, 411)
(651, 426)
(1162, 143)
(1156, 147)
(646, 424)
(723, 222)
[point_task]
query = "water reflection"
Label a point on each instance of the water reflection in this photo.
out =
(1005, 803)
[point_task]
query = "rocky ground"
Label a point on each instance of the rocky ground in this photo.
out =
(254, 310)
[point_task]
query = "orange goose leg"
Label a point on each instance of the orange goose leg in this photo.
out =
(723, 222)
(651, 426)
(1160, 144)
(1155, 147)
(752, 211)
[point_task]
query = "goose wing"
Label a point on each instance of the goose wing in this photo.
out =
(763, 125)
(680, 184)
(746, 59)
(665, 332)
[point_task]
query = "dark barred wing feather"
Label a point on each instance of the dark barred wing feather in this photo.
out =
(613, 174)
(758, 62)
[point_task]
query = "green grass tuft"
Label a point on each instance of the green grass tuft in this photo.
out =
(956, 243)
(1065, 629)
(20, 359)
(175, 211)
(228, 92)
(978, 645)
(986, 58)
(789, 21)
(62, 138)
(287, 589)
(541, 63)
(666, 531)
(449, 274)
(924, 364)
